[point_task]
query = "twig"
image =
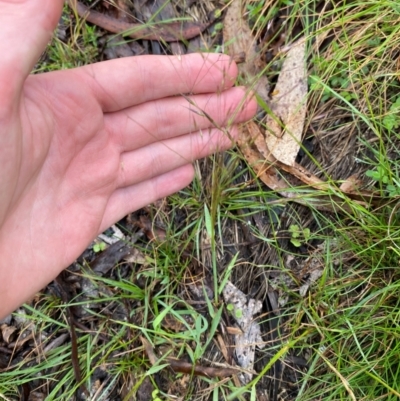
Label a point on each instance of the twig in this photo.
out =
(74, 343)
(169, 32)
(179, 366)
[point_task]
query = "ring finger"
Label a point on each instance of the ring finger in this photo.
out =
(150, 122)
(161, 157)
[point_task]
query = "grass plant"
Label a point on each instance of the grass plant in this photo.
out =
(347, 326)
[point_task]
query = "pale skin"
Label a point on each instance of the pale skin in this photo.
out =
(80, 149)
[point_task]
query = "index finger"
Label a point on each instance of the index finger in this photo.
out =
(118, 84)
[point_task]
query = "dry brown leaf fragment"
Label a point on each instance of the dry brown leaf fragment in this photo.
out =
(7, 332)
(223, 348)
(136, 256)
(285, 126)
(351, 185)
(152, 232)
(249, 134)
(238, 39)
(22, 339)
(170, 322)
(304, 175)
(233, 330)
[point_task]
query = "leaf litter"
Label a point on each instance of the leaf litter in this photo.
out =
(238, 39)
(285, 124)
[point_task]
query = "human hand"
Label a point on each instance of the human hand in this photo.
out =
(82, 148)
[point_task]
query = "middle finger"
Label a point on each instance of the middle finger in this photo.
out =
(167, 118)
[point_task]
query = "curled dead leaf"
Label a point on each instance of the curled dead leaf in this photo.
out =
(265, 171)
(7, 332)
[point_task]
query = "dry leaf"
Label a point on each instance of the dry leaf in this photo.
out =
(278, 147)
(223, 348)
(304, 175)
(150, 229)
(250, 134)
(351, 187)
(239, 40)
(136, 256)
(351, 184)
(285, 126)
(170, 322)
(7, 332)
(233, 330)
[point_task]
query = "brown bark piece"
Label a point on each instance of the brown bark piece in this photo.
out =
(244, 310)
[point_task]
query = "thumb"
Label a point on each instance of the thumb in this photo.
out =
(26, 27)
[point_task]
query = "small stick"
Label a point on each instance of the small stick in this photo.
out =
(179, 366)
(170, 32)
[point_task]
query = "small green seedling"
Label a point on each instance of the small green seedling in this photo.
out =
(385, 178)
(392, 119)
(154, 395)
(238, 312)
(99, 247)
(380, 175)
(299, 236)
